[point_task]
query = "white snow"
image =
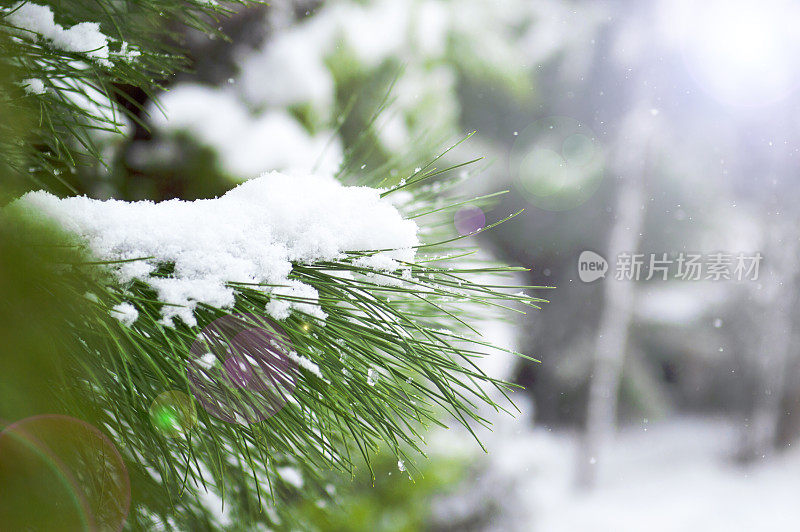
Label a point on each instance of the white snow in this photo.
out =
(125, 313)
(128, 53)
(374, 31)
(290, 70)
(294, 68)
(281, 309)
(83, 38)
(247, 144)
(678, 474)
(212, 500)
(305, 363)
(431, 24)
(33, 86)
(105, 117)
(291, 475)
(252, 234)
(207, 361)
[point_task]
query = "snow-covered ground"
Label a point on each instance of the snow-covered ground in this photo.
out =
(676, 475)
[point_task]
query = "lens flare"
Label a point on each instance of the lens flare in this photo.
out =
(61, 473)
(741, 52)
(557, 163)
(241, 369)
(469, 219)
(173, 414)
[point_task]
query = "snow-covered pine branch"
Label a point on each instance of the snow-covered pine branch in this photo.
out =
(67, 66)
(378, 319)
(251, 235)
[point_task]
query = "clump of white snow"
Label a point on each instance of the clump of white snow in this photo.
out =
(305, 363)
(33, 86)
(128, 53)
(252, 234)
(35, 20)
(125, 313)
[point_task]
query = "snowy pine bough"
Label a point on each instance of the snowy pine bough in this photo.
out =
(371, 301)
(251, 235)
(36, 22)
(74, 59)
(369, 285)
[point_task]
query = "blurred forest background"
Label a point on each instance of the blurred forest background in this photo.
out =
(621, 127)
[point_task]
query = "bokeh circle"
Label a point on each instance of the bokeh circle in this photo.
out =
(173, 414)
(241, 369)
(61, 473)
(556, 163)
(469, 219)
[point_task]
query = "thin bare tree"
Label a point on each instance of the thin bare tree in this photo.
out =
(630, 161)
(779, 286)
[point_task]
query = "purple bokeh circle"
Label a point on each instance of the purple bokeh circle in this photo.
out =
(241, 370)
(469, 219)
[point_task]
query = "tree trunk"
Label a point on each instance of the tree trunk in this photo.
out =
(616, 313)
(780, 285)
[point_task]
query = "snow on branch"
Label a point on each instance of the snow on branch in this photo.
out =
(35, 20)
(252, 234)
